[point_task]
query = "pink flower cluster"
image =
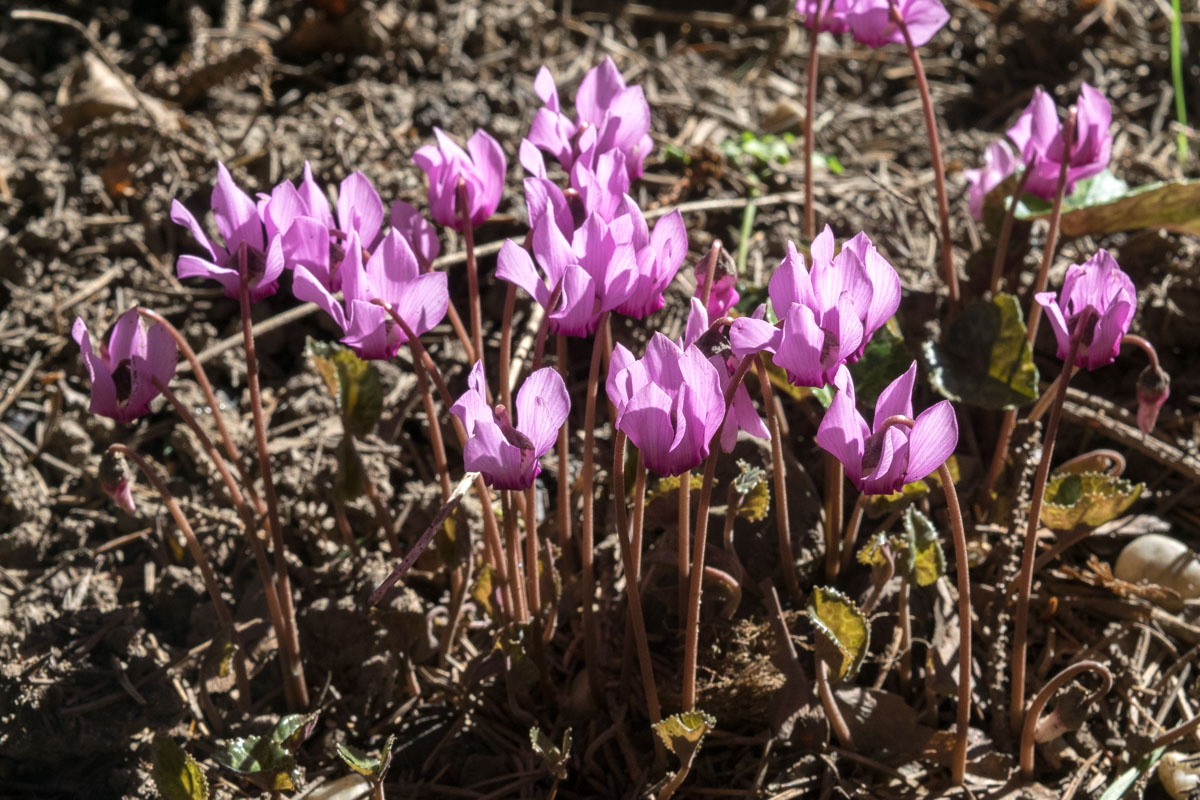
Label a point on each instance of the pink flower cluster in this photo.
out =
(871, 22)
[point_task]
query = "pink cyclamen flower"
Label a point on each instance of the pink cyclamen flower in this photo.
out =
(507, 455)
(125, 370)
(882, 458)
(1038, 134)
(999, 162)
(669, 403)
(832, 17)
(614, 116)
(659, 256)
(314, 239)
(593, 271)
(871, 21)
(742, 413)
(391, 274)
(1098, 294)
(828, 316)
(481, 167)
(115, 480)
(242, 231)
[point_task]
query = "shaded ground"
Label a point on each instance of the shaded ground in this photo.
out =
(104, 624)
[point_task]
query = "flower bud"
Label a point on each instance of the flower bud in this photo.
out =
(1153, 389)
(115, 480)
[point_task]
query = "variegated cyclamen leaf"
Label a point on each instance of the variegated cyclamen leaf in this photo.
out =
(927, 562)
(177, 776)
(841, 621)
(1089, 498)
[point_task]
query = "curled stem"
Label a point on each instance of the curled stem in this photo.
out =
(1029, 548)
(206, 570)
(1043, 697)
(935, 154)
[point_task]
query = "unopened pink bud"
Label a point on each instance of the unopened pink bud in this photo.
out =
(115, 480)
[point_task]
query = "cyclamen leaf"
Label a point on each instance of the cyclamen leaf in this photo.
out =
(353, 383)
(359, 761)
(1089, 498)
(751, 483)
(1105, 204)
(683, 733)
(554, 755)
(927, 562)
(984, 359)
(267, 760)
(177, 776)
(842, 622)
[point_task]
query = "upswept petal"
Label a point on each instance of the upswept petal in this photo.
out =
(370, 332)
(104, 391)
(821, 249)
(359, 208)
(314, 198)
(546, 89)
(1058, 322)
(308, 288)
(514, 265)
(417, 231)
(194, 267)
(127, 338)
(306, 244)
(697, 322)
(421, 303)
(597, 89)
(542, 407)
(181, 216)
(748, 336)
(801, 346)
(842, 431)
(471, 406)
(284, 206)
(617, 385)
(896, 399)
(235, 213)
(576, 314)
(161, 353)
(790, 282)
(931, 441)
(647, 422)
(490, 167)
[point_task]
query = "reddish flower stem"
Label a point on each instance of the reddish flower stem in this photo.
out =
(539, 347)
(239, 502)
(935, 155)
(835, 475)
(782, 522)
(1006, 231)
(206, 570)
(533, 589)
(810, 103)
(636, 617)
(468, 232)
(1035, 311)
(1145, 347)
(563, 509)
(491, 529)
(682, 557)
(699, 542)
(510, 304)
(1029, 548)
(587, 553)
(210, 397)
(290, 646)
(710, 271)
(1043, 697)
(850, 537)
(508, 506)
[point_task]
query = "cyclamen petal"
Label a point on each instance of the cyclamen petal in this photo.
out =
(871, 22)
(446, 164)
(125, 372)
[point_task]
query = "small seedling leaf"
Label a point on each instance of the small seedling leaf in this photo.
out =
(958, 369)
(683, 733)
(177, 776)
(267, 760)
(1089, 498)
(359, 761)
(751, 483)
(927, 562)
(838, 618)
(554, 755)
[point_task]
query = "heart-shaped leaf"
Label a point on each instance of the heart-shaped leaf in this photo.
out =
(353, 383)
(838, 618)
(983, 358)
(1089, 498)
(177, 776)
(267, 760)
(1105, 204)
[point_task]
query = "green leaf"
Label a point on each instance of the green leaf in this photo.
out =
(829, 162)
(353, 383)
(751, 483)
(1117, 789)
(554, 755)
(884, 359)
(683, 733)
(881, 549)
(1089, 498)
(177, 776)
(879, 505)
(837, 617)
(1105, 204)
(924, 553)
(373, 767)
(984, 359)
(267, 760)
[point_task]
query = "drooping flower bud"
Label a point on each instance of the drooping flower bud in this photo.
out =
(116, 481)
(1153, 389)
